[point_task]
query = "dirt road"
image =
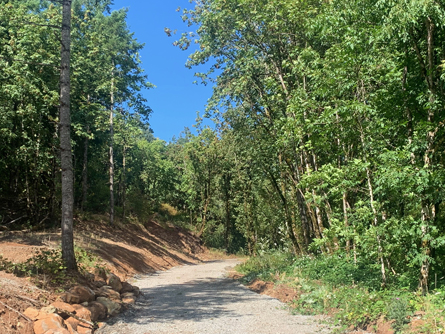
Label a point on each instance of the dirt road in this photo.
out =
(194, 299)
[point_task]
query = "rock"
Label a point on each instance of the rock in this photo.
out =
(99, 284)
(114, 282)
(70, 328)
(58, 331)
(113, 308)
(84, 304)
(63, 307)
(127, 294)
(52, 321)
(70, 298)
(79, 326)
(136, 291)
(107, 292)
(31, 313)
(126, 287)
(82, 312)
(48, 309)
(83, 328)
(85, 294)
(98, 311)
(129, 300)
(71, 322)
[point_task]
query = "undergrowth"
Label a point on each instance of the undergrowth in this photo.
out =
(350, 292)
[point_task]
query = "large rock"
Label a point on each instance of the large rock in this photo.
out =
(63, 307)
(32, 313)
(79, 326)
(82, 312)
(70, 298)
(126, 287)
(114, 282)
(98, 311)
(85, 293)
(58, 331)
(113, 308)
(108, 292)
(52, 321)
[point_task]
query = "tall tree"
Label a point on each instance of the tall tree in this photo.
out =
(65, 141)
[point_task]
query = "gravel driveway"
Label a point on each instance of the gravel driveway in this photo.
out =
(194, 299)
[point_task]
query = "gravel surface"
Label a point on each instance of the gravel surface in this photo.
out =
(200, 298)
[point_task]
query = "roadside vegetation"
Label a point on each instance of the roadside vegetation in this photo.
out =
(350, 292)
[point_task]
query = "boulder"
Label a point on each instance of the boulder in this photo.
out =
(128, 298)
(136, 291)
(63, 307)
(126, 287)
(114, 282)
(32, 313)
(85, 294)
(82, 312)
(70, 298)
(71, 322)
(113, 308)
(79, 326)
(48, 310)
(99, 284)
(83, 328)
(51, 321)
(107, 292)
(98, 311)
(70, 328)
(58, 331)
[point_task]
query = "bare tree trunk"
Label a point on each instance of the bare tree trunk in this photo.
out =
(85, 172)
(124, 190)
(111, 152)
(65, 142)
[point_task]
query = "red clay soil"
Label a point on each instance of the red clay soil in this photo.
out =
(125, 249)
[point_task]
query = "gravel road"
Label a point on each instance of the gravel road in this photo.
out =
(194, 299)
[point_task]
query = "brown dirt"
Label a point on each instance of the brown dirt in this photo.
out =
(125, 249)
(281, 292)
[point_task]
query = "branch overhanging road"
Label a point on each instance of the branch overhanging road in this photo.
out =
(198, 299)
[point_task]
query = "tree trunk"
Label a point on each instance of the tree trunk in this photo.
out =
(65, 142)
(111, 152)
(124, 190)
(85, 173)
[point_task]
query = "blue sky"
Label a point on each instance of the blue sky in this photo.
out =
(175, 100)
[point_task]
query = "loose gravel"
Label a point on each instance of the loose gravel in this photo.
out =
(198, 299)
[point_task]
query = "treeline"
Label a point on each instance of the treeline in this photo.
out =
(330, 130)
(108, 112)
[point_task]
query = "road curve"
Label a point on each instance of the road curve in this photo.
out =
(198, 299)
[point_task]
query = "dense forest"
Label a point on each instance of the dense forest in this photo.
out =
(328, 137)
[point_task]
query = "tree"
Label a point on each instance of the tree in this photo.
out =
(65, 141)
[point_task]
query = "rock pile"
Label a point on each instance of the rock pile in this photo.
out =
(78, 310)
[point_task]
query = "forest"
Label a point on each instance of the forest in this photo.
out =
(328, 137)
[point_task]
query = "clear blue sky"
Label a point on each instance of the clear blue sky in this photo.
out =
(175, 100)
